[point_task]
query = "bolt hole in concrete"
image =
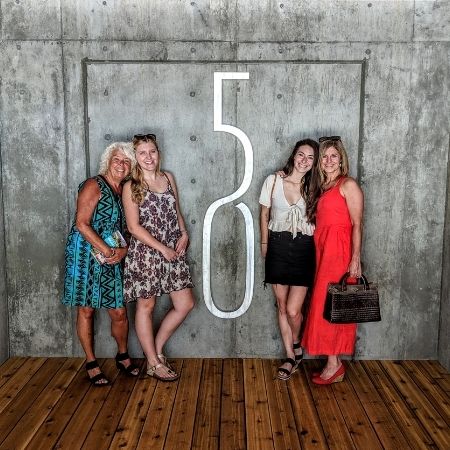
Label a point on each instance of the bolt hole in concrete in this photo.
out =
(192, 94)
(193, 50)
(193, 138)
(193, 181)
(107, 137)
(279, 96)
(18, 47)
(193, 221)
(368, 52)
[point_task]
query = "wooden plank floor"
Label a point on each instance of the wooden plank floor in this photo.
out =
(228, 404)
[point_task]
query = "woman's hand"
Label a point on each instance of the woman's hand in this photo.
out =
(263, 250)
(169, 253)
(119, 254)
(354, 268)
(182, 244)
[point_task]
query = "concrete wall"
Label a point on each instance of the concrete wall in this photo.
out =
(79, 75)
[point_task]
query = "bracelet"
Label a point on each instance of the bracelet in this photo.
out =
(113, 252)
(183, 231)
(262, 243)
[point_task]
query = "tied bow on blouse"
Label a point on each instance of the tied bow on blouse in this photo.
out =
(294, 217)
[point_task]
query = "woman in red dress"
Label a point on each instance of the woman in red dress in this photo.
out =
(338, 248)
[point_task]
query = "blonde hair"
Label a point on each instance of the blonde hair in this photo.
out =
(138, 184)
(125, 147)
(343, 166)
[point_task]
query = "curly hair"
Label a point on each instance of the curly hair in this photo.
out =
(138, 184)
(124, 147)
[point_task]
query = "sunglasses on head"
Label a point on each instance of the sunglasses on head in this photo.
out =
(329, 138)
(145, 136)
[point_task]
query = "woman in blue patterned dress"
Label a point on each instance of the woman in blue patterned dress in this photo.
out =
(88, 284)
(156, 261)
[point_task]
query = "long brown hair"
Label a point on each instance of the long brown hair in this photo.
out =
(138, 184)
(309, 188)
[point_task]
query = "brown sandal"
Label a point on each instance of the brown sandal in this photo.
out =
(165, 361)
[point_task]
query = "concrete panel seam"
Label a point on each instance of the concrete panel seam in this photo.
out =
(88, 61)
(218, 41)
(362, 97)
(3, 252)
(86, 114)
(445, 241)
(66, 145)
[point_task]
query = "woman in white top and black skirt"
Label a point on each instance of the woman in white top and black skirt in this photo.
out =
(287, 226)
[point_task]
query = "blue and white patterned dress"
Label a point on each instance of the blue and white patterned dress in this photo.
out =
(86, 282)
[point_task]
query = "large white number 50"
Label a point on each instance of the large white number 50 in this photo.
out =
(249, 232)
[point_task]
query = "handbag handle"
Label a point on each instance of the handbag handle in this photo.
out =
(343, 281)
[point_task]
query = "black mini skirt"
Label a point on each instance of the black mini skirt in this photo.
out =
(290, 261)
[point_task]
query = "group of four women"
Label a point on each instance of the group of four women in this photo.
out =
(311, 196)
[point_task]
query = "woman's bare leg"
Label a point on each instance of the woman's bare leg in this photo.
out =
(119, 331)
(281, 292)
(294, 305)
(183, 302)
(144, 330)
(85, 332)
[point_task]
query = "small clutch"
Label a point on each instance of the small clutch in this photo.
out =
(114, 240)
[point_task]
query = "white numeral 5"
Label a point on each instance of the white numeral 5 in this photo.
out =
(249, 231)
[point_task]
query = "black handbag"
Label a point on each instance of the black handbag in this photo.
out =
(352, 303)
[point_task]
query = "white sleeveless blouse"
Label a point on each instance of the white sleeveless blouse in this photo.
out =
(283, 216)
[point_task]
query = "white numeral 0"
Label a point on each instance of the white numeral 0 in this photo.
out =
(249, 232)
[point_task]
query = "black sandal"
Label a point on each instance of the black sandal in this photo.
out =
(298, 358)
(95, 380)
(128, 370)
(287, 372)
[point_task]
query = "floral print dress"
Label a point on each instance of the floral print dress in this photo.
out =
(147, 272)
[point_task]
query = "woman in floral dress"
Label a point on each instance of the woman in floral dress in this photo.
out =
(156, 259)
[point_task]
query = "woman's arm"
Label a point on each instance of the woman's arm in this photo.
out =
(87, 201)
(137, 230)
(355, 204)
(183, 242)
(264, 228)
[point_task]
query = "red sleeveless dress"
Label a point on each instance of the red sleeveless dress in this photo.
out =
(333, 241)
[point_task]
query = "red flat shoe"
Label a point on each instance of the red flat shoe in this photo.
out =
(336, 378)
